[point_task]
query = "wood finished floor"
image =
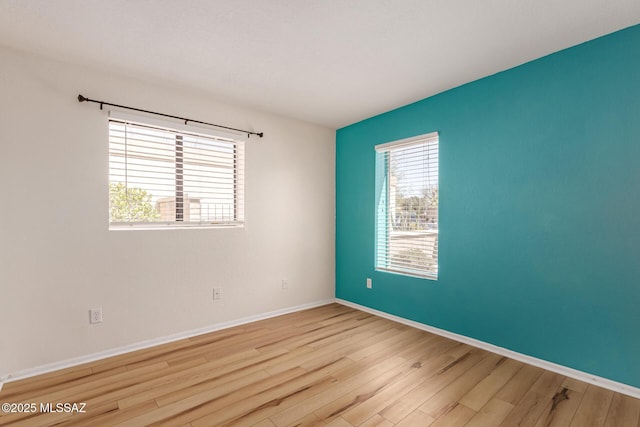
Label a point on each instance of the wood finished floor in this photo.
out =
(330, 365)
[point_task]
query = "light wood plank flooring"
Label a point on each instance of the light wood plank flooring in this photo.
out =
(330, 365)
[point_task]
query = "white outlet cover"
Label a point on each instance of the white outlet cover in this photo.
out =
(95, 315)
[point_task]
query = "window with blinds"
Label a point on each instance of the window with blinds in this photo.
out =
(161, 177)
(407, 206)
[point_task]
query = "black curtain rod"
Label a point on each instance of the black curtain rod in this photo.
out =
(102, 103)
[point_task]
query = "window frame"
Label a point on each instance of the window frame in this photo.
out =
(234, 141)
(383, 257)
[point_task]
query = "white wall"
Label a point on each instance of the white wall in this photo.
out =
(58, 259)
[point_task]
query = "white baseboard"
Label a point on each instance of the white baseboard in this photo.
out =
(549, 366)
(559, 369)
(51, 367)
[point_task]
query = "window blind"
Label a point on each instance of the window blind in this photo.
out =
(164, 177)
(407, 206)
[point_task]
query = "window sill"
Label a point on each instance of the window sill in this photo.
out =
(171, 226)
(417, 275)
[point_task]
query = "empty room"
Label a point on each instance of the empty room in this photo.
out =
(305, 213)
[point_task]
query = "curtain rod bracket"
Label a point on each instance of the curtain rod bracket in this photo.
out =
(82, 98)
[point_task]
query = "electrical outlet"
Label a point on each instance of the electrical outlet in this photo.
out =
(217, 293)
(95, 315)
(285, 284)
(369, 283)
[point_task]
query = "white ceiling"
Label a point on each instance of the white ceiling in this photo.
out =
(331, 62)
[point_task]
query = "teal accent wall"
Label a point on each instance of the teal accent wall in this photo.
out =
(539, 209)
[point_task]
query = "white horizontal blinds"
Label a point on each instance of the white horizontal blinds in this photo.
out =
(163, 176)
(407, 214)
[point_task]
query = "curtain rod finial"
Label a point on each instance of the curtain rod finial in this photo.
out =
(81, 98)
(261, 134)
